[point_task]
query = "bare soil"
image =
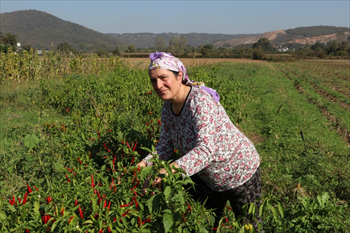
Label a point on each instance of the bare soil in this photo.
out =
(144, 62)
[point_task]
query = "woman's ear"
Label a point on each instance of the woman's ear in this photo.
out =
(179, 77)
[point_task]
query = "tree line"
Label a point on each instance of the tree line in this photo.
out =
(178, 46)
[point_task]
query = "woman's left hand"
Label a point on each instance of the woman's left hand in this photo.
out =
(157, 183)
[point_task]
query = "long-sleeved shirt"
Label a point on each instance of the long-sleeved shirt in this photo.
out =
(212, 147)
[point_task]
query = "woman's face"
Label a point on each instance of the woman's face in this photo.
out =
(165, 84)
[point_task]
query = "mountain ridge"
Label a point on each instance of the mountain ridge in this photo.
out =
(45, 31)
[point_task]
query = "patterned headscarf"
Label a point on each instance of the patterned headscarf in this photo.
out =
(167, 61)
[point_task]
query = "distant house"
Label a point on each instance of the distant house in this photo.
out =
(40, 52)
(283, 49)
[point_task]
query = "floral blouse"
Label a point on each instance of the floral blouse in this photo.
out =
(212, 147)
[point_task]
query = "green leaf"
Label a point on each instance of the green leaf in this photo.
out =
(167, 192)
(36, 205)
(181, 197)
(31, 141)
(145, 172)
(12, 208)
(280, 209)
(58, 166)
(202, 229)
(168, 221)
(168, 170)
(54, 225)
(3, 216)
(153, 202)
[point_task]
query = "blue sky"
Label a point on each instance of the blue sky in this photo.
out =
(228, 17)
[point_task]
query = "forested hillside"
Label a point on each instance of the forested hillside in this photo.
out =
(44, 31)
(316, 30)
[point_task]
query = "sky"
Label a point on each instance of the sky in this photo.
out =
(224, 17)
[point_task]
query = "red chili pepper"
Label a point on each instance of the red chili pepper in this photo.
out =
(12, 202)
(98, 133)
(159, 122)
(62, 211)
(67, 178)
(132, 160)
(25, 198)
(27, 231)
(114, 158)
(71, 171)
(48, 199)
(109, 205)
(136, 185)
(81, 212)
(96, 216)
(36, 188)
(19, 200)
(105, 204)
(112, 184)
(29, 190)
(115, 218)
(137, 204)
(140, 222)
(70, 219)
(133, 149)
(100, 231)
(228, 207)
(107, 148)
(79, 161)
(76, 202)
(147, 220)
(109, 229)
(226, 219)
(109, 130)
(92, 181)
(127, 144)
(122, 142)
(125, 213)
(150, 92)
(67, 109)
(126, 205)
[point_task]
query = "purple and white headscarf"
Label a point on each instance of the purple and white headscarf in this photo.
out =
(167, 61)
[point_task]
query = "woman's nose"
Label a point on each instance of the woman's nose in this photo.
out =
(159, 83)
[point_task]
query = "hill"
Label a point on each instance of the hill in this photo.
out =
(44, 31)
(302, 35)
(144, 40)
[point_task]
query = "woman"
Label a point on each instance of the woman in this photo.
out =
(221, 160)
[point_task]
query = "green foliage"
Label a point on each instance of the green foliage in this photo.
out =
(316, 30)
(65, 48)
(265, 44)
(85, 133)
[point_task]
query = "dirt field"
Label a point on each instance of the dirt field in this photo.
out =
(144, 62)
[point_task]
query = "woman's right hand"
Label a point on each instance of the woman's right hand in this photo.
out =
(142, 164)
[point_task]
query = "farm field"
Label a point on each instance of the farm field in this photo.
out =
(69, 144)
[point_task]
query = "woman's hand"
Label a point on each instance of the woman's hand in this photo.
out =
(142, 164)
(157, 183)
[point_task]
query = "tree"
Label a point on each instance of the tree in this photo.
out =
(265, 44)
(27, 47)
(116, 51)
(178, 44)
(207, 50)
(159, 43)
(318, 46)
(131, 49)
(65, 48)
(9, 38)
